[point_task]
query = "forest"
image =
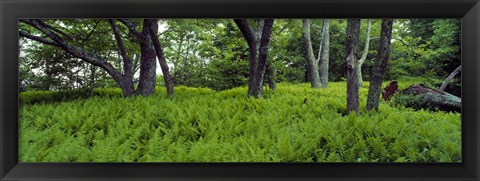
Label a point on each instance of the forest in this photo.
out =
(239, 90)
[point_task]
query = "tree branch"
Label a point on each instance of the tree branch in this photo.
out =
(132, 27)
(405, 44)
(246, 30)
(91, 32)
(127, 62)
(450, 77)
(54, 29)
(36, 38)
(73, 50)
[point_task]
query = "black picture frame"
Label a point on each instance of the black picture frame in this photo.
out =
(12, 10)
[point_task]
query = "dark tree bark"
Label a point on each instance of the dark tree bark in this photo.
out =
(312, 63)
(258, 47)
(127, 86)
(147, 81)
(380, 65)
(351, 50)
(324, 55)
(167, 77)
(450, 77)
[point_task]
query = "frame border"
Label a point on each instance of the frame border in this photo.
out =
(11, 11)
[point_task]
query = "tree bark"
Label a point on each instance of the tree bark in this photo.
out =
(270, 76)
(429, 98)
(258, 52)
(450, 77)
(146, 84)
(127, 81)
(263, 55)
(324, 57)
(167, 77)
(352, 46)
(380, 65)
(364, 54)
(312, 63)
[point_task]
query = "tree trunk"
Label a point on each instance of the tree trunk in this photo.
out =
(146, 85)
(258, 52)
(380, 65)
(429, 98)
(263, 55)
(126, 84)
(352, 46)
(364, 54)
(312, 63)
(450, 77)
(167, 77)
(325, 48)
(270, 76)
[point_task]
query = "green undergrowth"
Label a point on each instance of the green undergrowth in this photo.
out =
(292, 124)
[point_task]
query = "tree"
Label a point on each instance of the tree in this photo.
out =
(258, 41)
(380, 65)
(450, 77)
(57, 36)
(324, 53)
(168, 79)
(364, 54)
(351, 50)
(312, 63)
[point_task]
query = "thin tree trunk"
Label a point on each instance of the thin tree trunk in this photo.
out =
(324, 57)
(352, 46)
(450, 77)
(364, 55)
(380, 65)
(312, 63)
(185, 59)
(167, 77)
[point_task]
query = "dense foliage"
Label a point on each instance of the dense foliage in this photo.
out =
(293, 124)
(212, 52)
(175, 90)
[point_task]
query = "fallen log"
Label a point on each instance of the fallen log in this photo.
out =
(419, 96)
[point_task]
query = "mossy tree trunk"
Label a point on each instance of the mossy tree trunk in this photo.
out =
(380, 65)
(421, 96)
(324, 53)
(351, 50)
(312, 63)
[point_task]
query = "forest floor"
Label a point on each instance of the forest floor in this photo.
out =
(295, 123)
